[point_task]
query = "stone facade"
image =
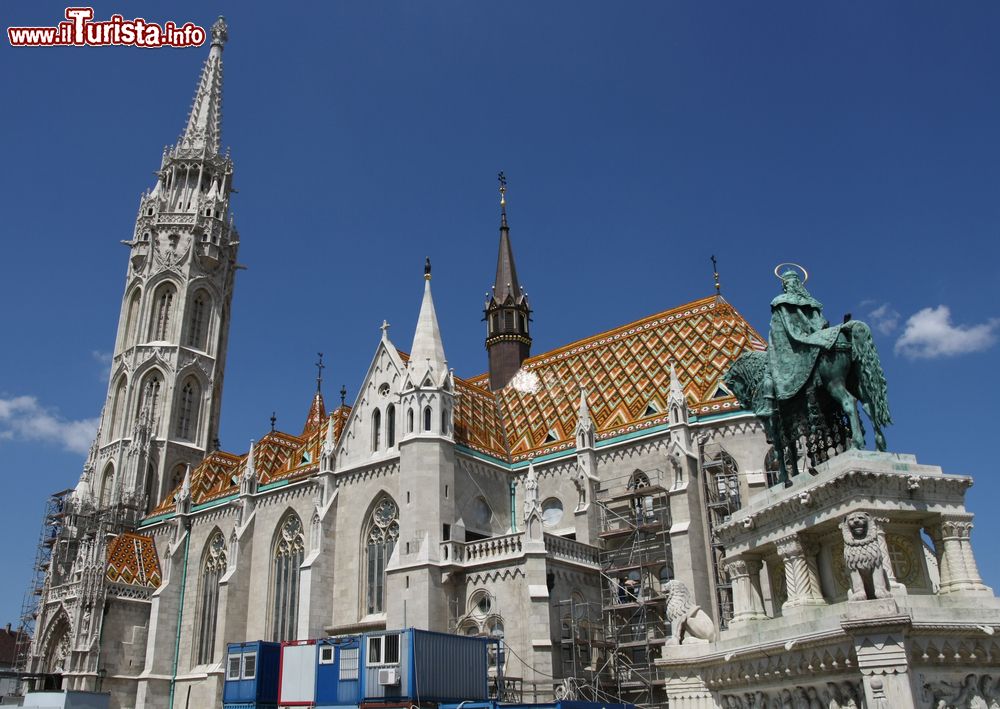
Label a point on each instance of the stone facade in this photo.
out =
(855, 586)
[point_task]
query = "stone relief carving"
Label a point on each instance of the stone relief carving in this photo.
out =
(835, 695)
(974, 692)
(687, 620)
(864, 558)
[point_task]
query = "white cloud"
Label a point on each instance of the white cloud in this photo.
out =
(884, 318)
(104, 359)
(22, 418)
(930, 333)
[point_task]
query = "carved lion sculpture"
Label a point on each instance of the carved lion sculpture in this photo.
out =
(863, 558)
(687, 621)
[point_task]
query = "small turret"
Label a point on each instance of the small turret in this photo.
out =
(428, 385)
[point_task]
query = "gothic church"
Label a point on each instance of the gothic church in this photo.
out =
(520, 503)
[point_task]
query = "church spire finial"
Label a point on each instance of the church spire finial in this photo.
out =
(203, 132)
(715, 272)
(427, 345)
(319, 372)
(503, 198)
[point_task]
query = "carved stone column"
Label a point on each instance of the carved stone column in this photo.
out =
(801, 577)
(748, 602)
(958, 568)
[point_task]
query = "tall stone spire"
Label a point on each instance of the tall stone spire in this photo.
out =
(204, 126)
(163, 402)
(428, 349)
(507, 311)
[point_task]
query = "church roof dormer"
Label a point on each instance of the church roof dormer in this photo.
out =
(317, 410)
(203, 132)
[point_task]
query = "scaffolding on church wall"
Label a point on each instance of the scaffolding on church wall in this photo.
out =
(66, 525)
(636, 562)
(53, 519)
(722, 498)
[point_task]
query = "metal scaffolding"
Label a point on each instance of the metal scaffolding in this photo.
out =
(722, 498)
(53, 519)
(636, 562)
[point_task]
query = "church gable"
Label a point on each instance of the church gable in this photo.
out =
(375, 403)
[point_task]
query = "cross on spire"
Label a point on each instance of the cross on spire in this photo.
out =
(503, 196)
(274, 420)
(343, 394)
(715, 272)
(319, 372)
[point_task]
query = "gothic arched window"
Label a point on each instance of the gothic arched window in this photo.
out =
(163, 304)
(131, 319)
(380, 540)
(187, 410)
(390, 425)
(288, 551)
(151, 488)
(376, 430)
(178, 476)
(211, 572)
(117, 411)
(409, 421)
(149, 397)
(107, 483)
(427, 418)
(198, 320)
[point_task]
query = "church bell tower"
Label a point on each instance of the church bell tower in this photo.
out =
(507, 312)
(164, 394)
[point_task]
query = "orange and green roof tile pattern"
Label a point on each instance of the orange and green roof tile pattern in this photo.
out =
(625, 372)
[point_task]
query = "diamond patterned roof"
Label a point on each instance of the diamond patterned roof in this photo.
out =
(626, 372)
(132, 560)
(277, 456)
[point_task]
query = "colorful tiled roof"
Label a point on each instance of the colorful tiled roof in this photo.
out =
(317, 414)
(626, 372)
(132, 560)
(277, 456)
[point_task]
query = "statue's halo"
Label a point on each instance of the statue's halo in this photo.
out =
(805, 273)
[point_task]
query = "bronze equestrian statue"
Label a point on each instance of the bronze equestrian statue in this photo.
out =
(806, 387)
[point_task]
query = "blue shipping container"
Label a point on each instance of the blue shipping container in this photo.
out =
(252, 674)
(338, 671)
(420, 665)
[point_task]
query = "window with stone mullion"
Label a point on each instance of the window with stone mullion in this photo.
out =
(287, 562)
(215, 565)
(383, 531)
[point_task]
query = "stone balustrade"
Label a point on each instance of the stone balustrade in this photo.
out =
(508, 547)
(571, 550)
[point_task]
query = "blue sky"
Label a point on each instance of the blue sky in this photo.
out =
(857, 138)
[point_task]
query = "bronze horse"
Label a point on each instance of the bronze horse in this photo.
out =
(843, 375)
